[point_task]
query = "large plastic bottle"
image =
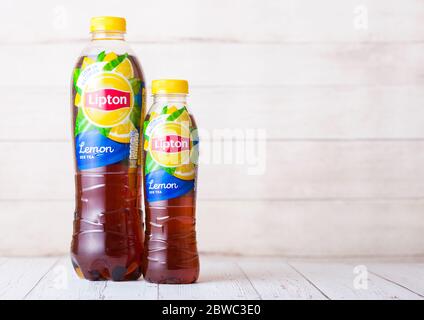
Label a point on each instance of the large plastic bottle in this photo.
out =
(171, 153)
(107, 108)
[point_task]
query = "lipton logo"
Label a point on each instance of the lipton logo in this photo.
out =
(107, 99)
(170, 144)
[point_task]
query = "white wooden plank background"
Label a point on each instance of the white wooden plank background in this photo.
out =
(274, 279)
(239, 20)
(341, 106)
(229, 64)
(20, 275)
(336, 282)
(221, 278)
(410, 276)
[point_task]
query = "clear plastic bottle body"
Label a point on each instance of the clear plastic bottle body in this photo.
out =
(109, 41)
(170, 254)
(108, 235)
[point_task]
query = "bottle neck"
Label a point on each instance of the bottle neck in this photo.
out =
(170, 98)
(109, 35)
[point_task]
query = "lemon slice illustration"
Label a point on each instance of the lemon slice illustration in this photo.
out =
(110, 56)
(77, 101)
(86, 62)
(153, 115)
(185, 172)
(125, 68)
(121, 133)
(184, 117)
(171, 110)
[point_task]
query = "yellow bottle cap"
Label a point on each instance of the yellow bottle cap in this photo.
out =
(105, 23)
(164, 86)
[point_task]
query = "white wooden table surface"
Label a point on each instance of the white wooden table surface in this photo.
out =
(224, 278)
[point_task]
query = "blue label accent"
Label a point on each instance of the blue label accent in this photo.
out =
(92, 150)
(160, 185)
(137, 97)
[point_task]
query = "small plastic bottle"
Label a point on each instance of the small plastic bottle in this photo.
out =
(170, 166)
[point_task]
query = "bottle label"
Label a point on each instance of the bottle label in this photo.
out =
(171, 145)
(109, 99)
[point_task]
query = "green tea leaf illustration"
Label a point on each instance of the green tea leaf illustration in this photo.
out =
(82, 124)
(101, 56)
(136, 85)
(75, 76)
(135, 116)
(176, 114)
(104, 131)
(170, 170)
(151, 165)
(145, 124)
(115, 62)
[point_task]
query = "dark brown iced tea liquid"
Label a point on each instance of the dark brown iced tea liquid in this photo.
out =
(171, 250)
